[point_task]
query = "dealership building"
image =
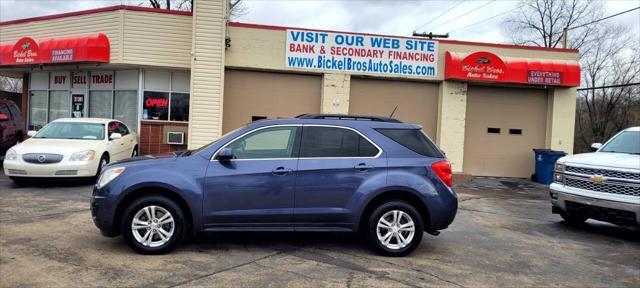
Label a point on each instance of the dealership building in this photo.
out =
(182, 79)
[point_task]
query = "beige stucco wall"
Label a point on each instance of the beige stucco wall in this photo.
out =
(452, 107)
(207, 72)
(335, 93)
(561, 117)
(135, 37)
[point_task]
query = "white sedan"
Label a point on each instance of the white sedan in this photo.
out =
(70, 147)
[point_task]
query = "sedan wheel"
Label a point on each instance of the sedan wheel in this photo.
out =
(152, 226)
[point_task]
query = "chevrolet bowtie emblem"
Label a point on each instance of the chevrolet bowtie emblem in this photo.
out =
(597, 179)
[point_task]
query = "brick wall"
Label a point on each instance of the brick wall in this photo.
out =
(151, 138)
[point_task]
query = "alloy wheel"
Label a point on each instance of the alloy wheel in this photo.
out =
(152, 226)
(395, 229)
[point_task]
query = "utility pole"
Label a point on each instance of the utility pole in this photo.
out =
(430, 35)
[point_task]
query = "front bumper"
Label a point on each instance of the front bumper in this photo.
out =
(587, 199)
(101, 213)
(62, 169)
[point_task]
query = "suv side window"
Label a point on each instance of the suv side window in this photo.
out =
(320, 141)
(274, 142)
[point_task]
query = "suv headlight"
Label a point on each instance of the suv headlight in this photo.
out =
(83, 156)
(11, 155)
(559, 167)
(108, 175)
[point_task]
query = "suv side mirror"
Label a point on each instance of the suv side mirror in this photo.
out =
(595, 146)
(32, 133)
(115, 136)
(4, 117)
(225, 154)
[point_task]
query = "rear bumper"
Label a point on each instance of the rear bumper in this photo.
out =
(594, 207)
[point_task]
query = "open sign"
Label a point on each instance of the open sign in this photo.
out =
(156, 102)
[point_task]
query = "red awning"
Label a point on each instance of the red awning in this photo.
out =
(488, 67)
(75, 49)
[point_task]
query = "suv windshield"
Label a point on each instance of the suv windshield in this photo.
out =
(626, 142)
(68, 130)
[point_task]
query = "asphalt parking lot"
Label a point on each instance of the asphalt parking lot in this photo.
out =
(504, 235)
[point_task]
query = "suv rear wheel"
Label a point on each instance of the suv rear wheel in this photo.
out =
(394, 229)
(153, 225)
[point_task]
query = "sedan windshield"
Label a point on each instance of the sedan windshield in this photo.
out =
(72, 130)
(626, 142)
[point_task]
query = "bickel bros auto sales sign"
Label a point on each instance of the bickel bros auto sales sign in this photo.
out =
(357, 53)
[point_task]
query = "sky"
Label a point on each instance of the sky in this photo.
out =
(365, 16)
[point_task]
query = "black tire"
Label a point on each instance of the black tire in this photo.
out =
(179, 228)
(101, 164)
(134, 153)
(371, 232)
(573, 219)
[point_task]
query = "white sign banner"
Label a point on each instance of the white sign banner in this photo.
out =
(364, 54)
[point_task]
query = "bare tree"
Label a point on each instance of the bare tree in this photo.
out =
(608, 56)
(237, 8)
(541, 22)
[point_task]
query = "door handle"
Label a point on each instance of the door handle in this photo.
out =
(281, 171)
(363, 167)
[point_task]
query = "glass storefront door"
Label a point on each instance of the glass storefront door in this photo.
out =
(78, 105)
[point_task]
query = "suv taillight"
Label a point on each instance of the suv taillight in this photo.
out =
(443, 170)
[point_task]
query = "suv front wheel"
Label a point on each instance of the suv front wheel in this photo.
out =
(153, 225)
(394, 229)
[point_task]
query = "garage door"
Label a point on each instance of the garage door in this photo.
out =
(251, 95)
(502, 126)
(417, 102)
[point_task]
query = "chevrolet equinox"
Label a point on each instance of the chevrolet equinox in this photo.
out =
(373, 175)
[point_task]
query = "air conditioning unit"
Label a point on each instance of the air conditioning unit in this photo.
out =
(175, 138)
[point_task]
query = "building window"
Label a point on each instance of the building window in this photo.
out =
(116, 99)
(179, 107)
(156, 105)
(166, 96)
(37, 109)
(515, 131)
(100, 103)
(493, 130)
(125, 108)
(59, 105)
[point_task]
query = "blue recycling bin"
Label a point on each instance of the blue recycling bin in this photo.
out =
(545, 160)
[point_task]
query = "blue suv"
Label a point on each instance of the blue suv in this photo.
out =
(373, 175)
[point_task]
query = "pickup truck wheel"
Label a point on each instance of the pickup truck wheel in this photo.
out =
(394, 229)
(153, 225)
(573, 219)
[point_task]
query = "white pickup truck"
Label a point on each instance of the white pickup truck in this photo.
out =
(604, 185)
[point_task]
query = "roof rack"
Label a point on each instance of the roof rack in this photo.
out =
(348, 117)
